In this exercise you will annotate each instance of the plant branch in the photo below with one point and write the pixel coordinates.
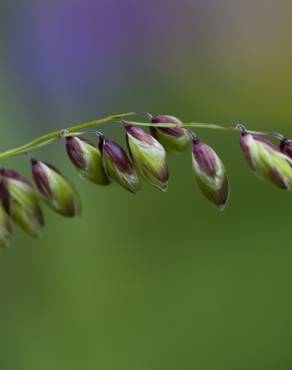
(56, 135)
(209, 126)
(77, 130)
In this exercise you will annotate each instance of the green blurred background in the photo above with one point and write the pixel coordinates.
(150, 281)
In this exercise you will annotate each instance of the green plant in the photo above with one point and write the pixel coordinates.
(108, 162)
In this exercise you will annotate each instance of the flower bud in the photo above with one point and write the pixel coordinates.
(149, 157)
(21, 202)
(173, 139)
(210, 173)
(5, 228)
(286, 147)
(266, 160)
(86, 157)
(58, 193)
(118, 166)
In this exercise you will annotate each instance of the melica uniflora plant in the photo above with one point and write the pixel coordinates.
(104, 162)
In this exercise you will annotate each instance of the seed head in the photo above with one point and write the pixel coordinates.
(267, 161)
(58, 193)
(173, 139)
(210, 173)
(21, 202)
(148, 156)
(118, 166)
(286, 147)
(86, 157)
(5, 228)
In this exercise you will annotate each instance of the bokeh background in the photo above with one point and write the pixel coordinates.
(150, 281)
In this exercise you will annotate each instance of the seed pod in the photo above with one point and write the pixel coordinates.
(149, 157)
(173, 139)
(5, 228)
(118, 166)
(86, 157)
(21, 202)
(286, 147)
(58, 193)
(210, 173)
(266, 160)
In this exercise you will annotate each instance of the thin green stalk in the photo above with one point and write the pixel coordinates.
(56, 135)
(78, 130)
(25, 150)
(209, 126)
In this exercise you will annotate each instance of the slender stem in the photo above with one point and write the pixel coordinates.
(55, 135)
(78, 130)
(209, 126)
(24, 150)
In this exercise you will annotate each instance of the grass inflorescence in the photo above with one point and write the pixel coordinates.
(106, 162)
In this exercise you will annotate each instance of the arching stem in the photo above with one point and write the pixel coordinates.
(78, 130)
